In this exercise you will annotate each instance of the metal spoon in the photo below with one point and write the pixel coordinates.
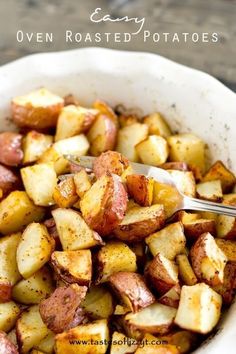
(163, 176)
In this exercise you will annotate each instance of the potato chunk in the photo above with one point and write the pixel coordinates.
(35, 288)
(38, 110)
(40, 182)
(34, 249)
(187, 148)
(228, 247)
(34, 145)
(210, 191)
(169, 241)
(156, 318)
(74, 120)
(140, 222)
(115, 257)
(218, 171)
(73, 266)
(11, 153)
(9, 312)
(153, 150)
(208, 261)
(9, 273)
(103, 206)
(132, 290)
(9, 181)
(98, 302)
(140, 188)
(184, 181)
(82, 183)
(91, 333)
(129, 137)
(17, 211)
(195, 228)
(166, 195)
(171, 297)
(199, 308)
(64, 194)
(61, 311)
(110, 162)
(153, 345)
(73, 232)
(157, 125)
(228, 289)
(6, 345)
(120, 344)
(186, 272)
(226, 227)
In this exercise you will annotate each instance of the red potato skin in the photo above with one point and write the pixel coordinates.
(168, 301)
(110, 162)
(5, 292)
(132, 285)
(40, 118)
(60, 311)
(137, 186)
(193, 231)
(180, 166)
(52, 230)
(11, 153)
(6, 346)
(9, 181)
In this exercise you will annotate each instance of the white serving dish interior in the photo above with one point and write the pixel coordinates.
(190, 100)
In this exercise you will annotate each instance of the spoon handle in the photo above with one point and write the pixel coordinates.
(203, 205)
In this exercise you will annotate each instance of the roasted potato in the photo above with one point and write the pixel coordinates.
(103, 108)
(185, 341)
(171, 297)
(61, 311)
(153, 345)
(187, 148)
(9, 312)
(125, 120)
(211, 191)
(40, 182)
(30, 329)
(91, 334)
(179, 166)
(186, 272)
(140, 188)
(162, 274)
(110, 162)
(153, 150)
(218, 171)
(46, 345)
(37, 110)
(208, 261)
(204, 305)
(6, 346)
(131, 289)
(82, 183)
(140, 222)
(98, 302)
(103, 206)
(34, 249)
(129, 137)
(121, 310)
(102, 135)
(169, 241)
(9, 273)
(120, 344)
(226, 227)
(166, 195)
(157, 125)
(228, 247)
(184, 181)
(229, 199)
(34, 145)
(73, 266)
(228, 289)
(9, 181)
(11, 153)
(156, 319)
(74, 120)
(35, 288)
(73, 232)
(64, 194)
(115, 257)
(196, 228)
(77, 146)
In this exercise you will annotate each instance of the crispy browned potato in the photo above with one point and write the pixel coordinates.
(226, 227)
(11, 153)
(115, 257)
(171, 297)
(157, 125)
(91, 333)
(9, 180)
(204, 305)
(82, 182)
(9, 313)
(153, 150)
(162, 274)
(211, 191)
(73, 266)
(180, 166)
(166, 195)
(73, 231)
(102, 135)
(6, 346)
(228, 289)
(208, 261)
(228, 247)
(64, 193)
(103, 206)
(132, 290)
(169, 241)
(34, 145)
(156, 318)
(139, 222)
(37, 110)
(110, 162)
(219, 171)
(61, 311)
(140, 188)
(186, 272)
(98, 302)
(196, 228)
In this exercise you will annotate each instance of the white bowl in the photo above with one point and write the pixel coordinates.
(190, 100)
